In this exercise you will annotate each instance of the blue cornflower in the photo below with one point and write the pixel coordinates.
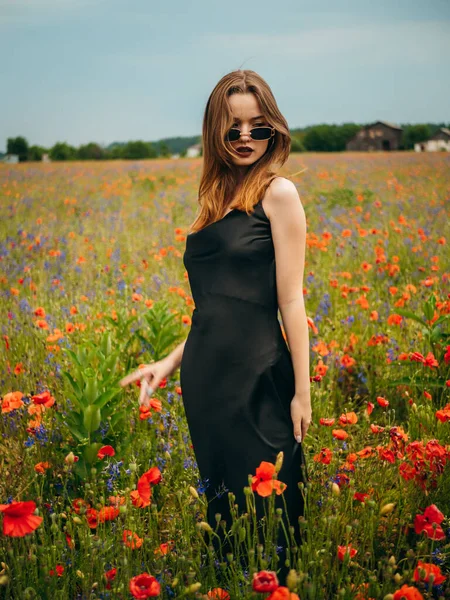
(202, 485)
(29, 442)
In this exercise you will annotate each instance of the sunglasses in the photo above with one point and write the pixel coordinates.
(257, 133)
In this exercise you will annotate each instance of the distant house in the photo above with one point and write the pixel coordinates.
(193, 151)
(10, 158)
(378, 136)
(46, 158)
(439, 141)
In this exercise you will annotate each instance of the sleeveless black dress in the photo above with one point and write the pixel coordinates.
(236, 374)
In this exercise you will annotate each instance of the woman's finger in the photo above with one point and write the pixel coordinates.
(138, 374)
(143, 396)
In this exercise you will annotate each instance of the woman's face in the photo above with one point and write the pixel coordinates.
(247, 114)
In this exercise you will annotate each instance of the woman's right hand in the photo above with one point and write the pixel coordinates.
(151, 376)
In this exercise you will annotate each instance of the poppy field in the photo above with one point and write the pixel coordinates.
(101, 498)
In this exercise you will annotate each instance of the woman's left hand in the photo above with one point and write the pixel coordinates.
(301, 416)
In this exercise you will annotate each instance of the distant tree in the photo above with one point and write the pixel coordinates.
(164, 150)
(138, 149)
(35, 153)
(91, 151)
(63, 151)
(113, 153)
(329, 138)
(297, 144)
(413, 134)
(19, 146)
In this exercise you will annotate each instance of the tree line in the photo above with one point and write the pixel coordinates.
(315, 138)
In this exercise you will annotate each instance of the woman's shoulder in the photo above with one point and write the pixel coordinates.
(278, 188)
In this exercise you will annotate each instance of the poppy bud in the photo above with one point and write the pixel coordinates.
(279, 461)
(387, 508)
(205, 526)
(335, 489)
(193, 492)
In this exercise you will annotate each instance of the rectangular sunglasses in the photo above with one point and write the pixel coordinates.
(257, 133)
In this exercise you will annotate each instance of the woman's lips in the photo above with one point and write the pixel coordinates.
(244, 153)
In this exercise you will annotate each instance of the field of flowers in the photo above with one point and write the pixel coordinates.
(102, 499)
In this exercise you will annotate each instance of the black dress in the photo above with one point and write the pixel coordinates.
(236, 374)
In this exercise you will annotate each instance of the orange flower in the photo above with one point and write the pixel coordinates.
(12, 401)
(218, 594)
(107, 513)
(164, 548)
(339, 434)
(349, 418)
(18, 518)
(328, 422)
(407, 593)
(263, 483)
(40, 467)
(382, 401)
(131, 539)
(282, 593)
(324, 456)
(429, 569)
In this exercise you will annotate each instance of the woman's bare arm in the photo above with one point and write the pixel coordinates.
(288, 225)
(174, 358)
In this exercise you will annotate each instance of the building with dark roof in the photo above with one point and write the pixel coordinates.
(378, 136)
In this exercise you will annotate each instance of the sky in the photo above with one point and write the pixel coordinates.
(78, 71)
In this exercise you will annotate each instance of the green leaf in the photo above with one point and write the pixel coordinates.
(106, 397)
(91, 418)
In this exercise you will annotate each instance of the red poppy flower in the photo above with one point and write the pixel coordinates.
(342, 551)
(262, 482)
(110, 576)
(265, 581)
(131, 539)
(339, 434)
(78, 503)
(105, 451)
(282, 593)
(152, 476)
(328, 422)
(92, 519)
(18, 518)
(144, 586)
(59, 571)
(407, 592)
(324, 456)
(107, 513)
(430, 569)
(45, 398)
(424, 523)
(218, 594)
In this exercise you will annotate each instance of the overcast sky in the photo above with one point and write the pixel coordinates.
(116, 70)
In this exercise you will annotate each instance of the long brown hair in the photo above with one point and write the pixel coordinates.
(217, 183)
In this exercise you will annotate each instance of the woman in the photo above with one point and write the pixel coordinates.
(246, 395)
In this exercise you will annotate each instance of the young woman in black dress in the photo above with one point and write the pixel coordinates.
(246, 394)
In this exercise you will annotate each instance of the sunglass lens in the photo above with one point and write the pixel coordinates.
(233, 135)
(261, 133)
